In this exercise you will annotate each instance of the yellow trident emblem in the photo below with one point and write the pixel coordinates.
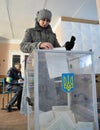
(68, 82)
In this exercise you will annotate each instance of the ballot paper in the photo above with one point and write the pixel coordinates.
(57, 64)
(45, 118)
(63, 122)
(84, 126)
(62, 110)
(62, 118)
(59, 48)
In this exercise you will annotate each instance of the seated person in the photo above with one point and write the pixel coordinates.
(15, 84)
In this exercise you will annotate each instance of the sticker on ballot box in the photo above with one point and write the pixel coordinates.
(68, 84)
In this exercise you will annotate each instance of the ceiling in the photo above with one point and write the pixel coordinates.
(17, 15)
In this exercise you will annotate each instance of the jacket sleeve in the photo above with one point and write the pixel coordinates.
(27, 45)
(10, 79)
(9, 73)
(56, 43)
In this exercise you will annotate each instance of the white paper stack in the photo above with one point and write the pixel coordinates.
(62, 118)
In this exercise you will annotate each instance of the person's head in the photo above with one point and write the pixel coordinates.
(44, 17)
(17, 66)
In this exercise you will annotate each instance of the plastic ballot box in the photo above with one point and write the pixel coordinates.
(61, 90)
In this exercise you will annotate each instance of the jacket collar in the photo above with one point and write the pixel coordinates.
(38, 27)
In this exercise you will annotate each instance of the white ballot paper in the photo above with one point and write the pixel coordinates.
(84, 126)
(63, 122)
(57, 64)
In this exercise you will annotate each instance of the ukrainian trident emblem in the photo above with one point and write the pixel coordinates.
(68, 82)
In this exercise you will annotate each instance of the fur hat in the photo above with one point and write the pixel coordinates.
(44, 14)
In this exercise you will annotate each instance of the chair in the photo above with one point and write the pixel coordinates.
(5, 92)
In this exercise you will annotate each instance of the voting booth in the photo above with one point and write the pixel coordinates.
(61, 90)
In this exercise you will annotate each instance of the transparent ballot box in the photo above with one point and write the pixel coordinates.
(61, 91)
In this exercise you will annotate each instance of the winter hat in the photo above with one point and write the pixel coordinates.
(44, 14)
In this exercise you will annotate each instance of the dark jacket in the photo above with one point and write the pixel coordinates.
(34, 36)
(14, 75)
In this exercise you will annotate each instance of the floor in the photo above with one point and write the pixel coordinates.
(12, 120)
